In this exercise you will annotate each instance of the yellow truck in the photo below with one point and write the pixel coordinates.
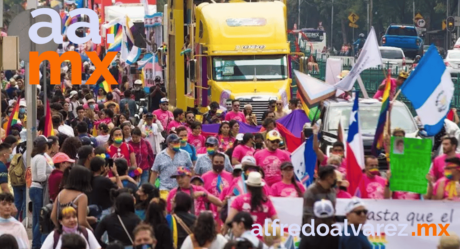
(220, 51)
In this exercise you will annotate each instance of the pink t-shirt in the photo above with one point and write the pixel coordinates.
(235, 116)
(197, 141)
(399, 195)
(243, 203)
(343, 167)
(211, 179)
(446, 191)
(229, 190)
(437, 170)
(374, 187)
(270, 161)
(343, 194)
(202, 150)
(164, 116)
(281, 189)
(379, 93)
(225, 143)
(199, 202)
(241, 151)
(173, 124)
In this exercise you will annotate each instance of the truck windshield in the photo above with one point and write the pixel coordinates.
(402, 31)
(391, 54)
(245, 68)
(368, 117)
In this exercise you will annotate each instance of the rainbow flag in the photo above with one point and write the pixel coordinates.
(14, 118)
(117, 31)
(377, 145)
(49, 131)
(173, 227)
(67, 20)
(220, 184)
(107, 88)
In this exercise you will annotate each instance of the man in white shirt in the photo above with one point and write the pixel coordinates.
(241, 225)
(8, 224)
(63, 128)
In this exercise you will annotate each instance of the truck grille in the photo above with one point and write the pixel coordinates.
(258, 108)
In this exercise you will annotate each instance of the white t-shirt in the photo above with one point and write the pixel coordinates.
(67, 130)
(218, 243)
(49, 241)
(102, 139)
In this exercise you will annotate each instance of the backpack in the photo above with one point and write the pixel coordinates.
(17, 171)
(57, 235)
(45, 222)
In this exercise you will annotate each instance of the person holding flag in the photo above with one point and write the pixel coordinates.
(395, 83)
(217, 179)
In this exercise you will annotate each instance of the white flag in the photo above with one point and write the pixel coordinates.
(369, 57)
(133, 55)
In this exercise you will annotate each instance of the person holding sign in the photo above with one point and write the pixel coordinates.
(449, 146)
(372, 185)
(448, 187)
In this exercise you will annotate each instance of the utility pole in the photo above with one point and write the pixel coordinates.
(371, 9)
(447, 31)
(368, 27)
(413, 9)
(332, 26)
(298, 16)
(458, 14)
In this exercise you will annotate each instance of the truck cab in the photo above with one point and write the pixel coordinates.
(338, 110)
(237, 50)
(405, 37)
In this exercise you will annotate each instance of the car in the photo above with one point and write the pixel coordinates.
(335, 110)
(405, 37)
(392, 57)
(452, 62)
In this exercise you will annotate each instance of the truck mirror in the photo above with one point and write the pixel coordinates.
(192, 70)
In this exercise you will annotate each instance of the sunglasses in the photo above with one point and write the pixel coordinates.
(360, 212)
(278, 103)
(275, 141)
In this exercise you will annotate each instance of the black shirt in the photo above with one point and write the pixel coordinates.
(115, 230)
(155, 99)
(326, 242)
(189, 220)
(100, 195)
(139, 94)
(163, 236)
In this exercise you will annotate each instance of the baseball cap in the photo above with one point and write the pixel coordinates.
(149, 115)
(181, 171)
(164, 100)
(62, 157)
(239, 137)
(212, 141)
(244, 217)
(354, 203)
(273, 135)
(248, 159)
(40, 140)
(73, 93)
(196, 178)
(86, 141)
(172, 138)
(286, 165)
(22, 103)
(237, 167)
(403, 74)
(323, 209)
(138, 82)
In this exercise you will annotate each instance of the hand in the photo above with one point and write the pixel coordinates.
(454, 109)
(224, 229)
(430, 178)
(388, 175)
(198, 194)
(315, 129)
(114, 169)
(143, 117)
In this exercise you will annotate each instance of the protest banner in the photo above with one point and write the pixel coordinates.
(410, 160)
(407, 216)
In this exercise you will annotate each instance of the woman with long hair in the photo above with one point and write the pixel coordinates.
(68, 224)
(118, 148)
(41, 169)
(182, 216)
(155, 217)
(103, 135)
(246, 148)
(288, 186)
(255, 202)
(71, 146)
(54, 146)
(145, 194)
(234, 127)
(204, 234)
(144, 154)
(101, 95)
(73, 195)
(120, 224)
(225, 137)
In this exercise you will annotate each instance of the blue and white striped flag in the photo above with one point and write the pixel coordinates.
(133, 55)
(148, 58)
(430, 90)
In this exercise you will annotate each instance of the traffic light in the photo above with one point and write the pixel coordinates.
(450, 23)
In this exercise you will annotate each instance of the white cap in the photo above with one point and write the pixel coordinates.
(248, 159)
(164, 100)
(92, 68)
(73, 93)
(238, 166)
(354, 203)
(22, 103)
(239, 137)
(138, 82)
(323, 209)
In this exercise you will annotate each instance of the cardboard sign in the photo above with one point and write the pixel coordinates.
(410, 160)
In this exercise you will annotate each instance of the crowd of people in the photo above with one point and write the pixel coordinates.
(106, 179)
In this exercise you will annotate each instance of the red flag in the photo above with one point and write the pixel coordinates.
(48, 131)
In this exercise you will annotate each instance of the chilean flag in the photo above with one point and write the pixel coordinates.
(355, 151)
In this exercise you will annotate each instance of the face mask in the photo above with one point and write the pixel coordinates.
(91, 107)
(374, 172)
(448, 174)
(22, 110)
(118, 140)
(334, 184)
(176, 148)
(259, 145)
(70, 229)
(145, 246)
(218, 168)
(10, 158)
(183, 141)
(211, 151)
